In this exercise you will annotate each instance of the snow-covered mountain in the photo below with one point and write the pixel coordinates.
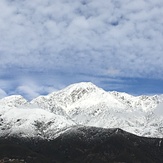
(82, 104)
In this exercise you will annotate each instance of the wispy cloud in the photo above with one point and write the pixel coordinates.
(56, 37)
(2, 93)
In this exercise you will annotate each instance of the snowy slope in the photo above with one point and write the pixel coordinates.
(145, 103)
(31, 123)
(81, 104)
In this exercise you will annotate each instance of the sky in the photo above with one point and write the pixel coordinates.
(46, 45)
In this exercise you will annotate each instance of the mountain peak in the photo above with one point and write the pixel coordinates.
(12, 101)
(78, 90)
(74, 92)
(88, 86)
(12, 97)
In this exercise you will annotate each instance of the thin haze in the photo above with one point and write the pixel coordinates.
(46, 45)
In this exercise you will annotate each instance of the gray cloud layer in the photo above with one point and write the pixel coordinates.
(106, 37)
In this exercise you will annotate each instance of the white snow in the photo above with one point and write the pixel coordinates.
(31, 123)
(82, 104)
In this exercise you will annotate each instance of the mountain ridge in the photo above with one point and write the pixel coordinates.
(82, 145)
(87, 105)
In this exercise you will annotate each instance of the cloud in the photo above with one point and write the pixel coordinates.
(113, 72)
(2, 93)
(56, 37)
(29, 89)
